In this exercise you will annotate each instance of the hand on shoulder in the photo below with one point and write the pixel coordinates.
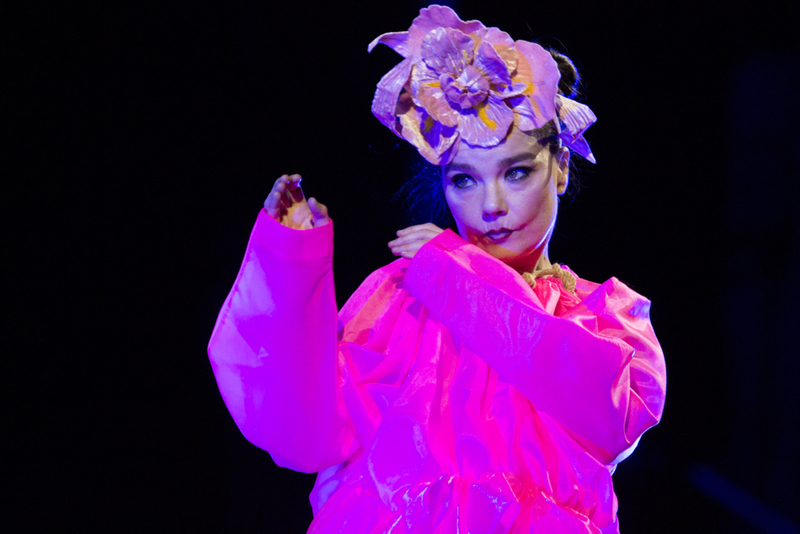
(410, 240)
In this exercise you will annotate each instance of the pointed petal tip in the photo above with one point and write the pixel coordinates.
(397, 41)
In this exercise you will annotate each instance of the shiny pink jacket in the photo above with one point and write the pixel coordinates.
(446, 396)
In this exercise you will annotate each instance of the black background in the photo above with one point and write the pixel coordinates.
(141, 139)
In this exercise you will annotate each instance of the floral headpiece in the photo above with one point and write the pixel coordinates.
(463, 81)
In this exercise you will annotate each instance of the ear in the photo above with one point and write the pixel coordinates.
(562, 172)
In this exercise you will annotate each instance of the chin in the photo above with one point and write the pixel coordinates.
(511, 256)
(521, 257)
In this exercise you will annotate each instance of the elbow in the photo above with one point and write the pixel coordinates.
(306, 450)
(641, 417)
(311, 464)
(613, 437)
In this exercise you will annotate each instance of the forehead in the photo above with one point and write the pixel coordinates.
(515, 144)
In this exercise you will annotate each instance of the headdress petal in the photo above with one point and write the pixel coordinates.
(397, 41)
(492, 66)
(426, 90)
(538, 69)
(436, 16)
(524, 115)
(577, 119)
(487, 124)
(433, 140)
(447, 50)
(385, 100)
(463, 81)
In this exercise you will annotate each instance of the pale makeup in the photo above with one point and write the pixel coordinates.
(504, 199)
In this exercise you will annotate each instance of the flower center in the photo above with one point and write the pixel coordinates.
(468, 90)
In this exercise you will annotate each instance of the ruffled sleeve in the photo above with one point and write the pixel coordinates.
(597, 369)
(274, 348)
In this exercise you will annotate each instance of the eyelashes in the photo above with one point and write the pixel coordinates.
(516, 174)
(462, 181)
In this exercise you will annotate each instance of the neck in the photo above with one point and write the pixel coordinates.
(531, 262)
(543, 263)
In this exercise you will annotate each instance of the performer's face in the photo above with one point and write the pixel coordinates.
(504, 198)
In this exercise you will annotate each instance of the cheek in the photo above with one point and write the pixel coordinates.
(542, 209)
(458, 207)
(543, 219)
(537, 212)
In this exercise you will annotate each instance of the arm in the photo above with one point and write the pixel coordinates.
(598, 370)
(274, 348)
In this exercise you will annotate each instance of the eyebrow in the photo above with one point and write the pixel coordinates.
(522, 156)
(511, 160)
(459, 167)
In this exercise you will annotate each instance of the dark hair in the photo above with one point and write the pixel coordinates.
(570, 80)
(568, 86)
(424, 191)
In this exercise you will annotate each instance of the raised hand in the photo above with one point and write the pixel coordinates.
(287, 204)
(410, 240)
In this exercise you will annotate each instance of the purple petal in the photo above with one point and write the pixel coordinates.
(579, 145)
(492, 65)
(447, 51)
(487, 124)
(509, 55)
(422, 75)
(495, 36)
(516, 89)
(397, 41)
(537, 68)
(469, 90)
(385, 100)
(427, 92)
(577, 117)
(433, 140)
(524, 116)
(436, 16)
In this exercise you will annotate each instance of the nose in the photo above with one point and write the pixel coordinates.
(494, 204)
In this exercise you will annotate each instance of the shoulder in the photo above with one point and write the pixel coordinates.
(613, 294)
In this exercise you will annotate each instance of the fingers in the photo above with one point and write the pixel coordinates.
(411, 239)
(319, 212)
(293, 189)
(273, 201)
(418, 228)
(411, 234)
(407, 250)
(285, 192)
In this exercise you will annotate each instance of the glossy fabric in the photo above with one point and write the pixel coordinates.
(446, 396)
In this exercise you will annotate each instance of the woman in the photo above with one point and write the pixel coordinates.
(471, 385)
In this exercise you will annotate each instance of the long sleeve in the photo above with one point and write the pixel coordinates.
(598, 370)
(274, 348)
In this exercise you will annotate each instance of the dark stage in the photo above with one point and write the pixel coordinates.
(143, 138)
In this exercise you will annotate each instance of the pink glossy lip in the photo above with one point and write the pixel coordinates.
(498, 236)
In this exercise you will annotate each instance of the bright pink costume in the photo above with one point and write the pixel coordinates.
(446, 396)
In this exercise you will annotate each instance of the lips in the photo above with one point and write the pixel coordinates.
(498, 236)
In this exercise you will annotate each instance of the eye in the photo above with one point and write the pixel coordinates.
(518, 173)
(462, 181)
